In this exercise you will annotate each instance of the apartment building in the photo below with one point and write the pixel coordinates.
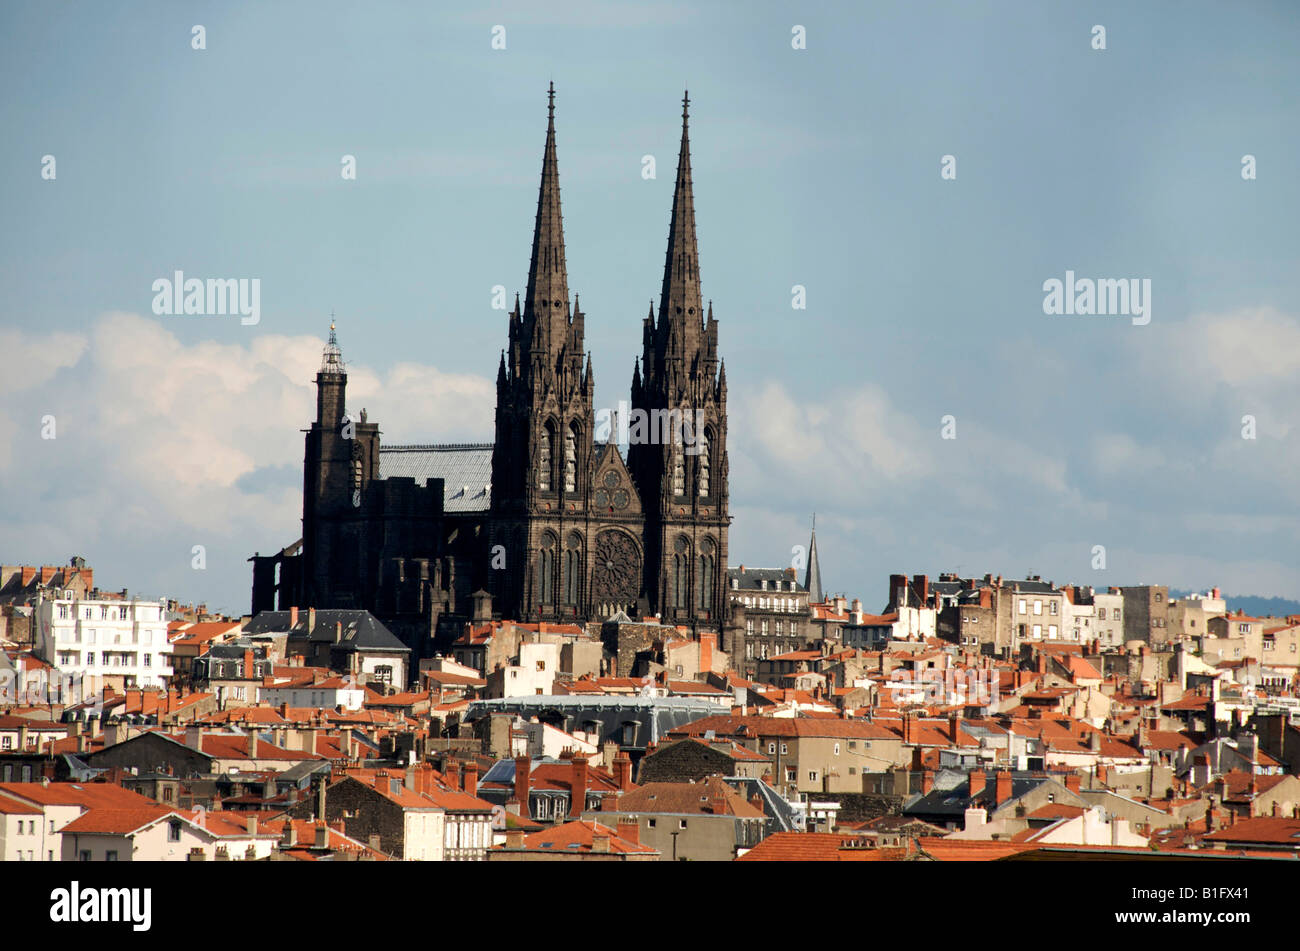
(106, 642)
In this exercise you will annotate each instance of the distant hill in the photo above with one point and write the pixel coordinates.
(1252, 604)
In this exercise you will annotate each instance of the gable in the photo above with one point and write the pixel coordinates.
(612, 490)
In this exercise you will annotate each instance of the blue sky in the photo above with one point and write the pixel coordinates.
(817, 167)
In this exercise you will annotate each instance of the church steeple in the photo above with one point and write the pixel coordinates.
(813, 578)
(546, 301)
(679, 300)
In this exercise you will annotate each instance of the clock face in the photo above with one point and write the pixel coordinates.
(621, 499)
(602, 498)
(611, 479)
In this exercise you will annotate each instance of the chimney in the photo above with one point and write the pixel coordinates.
(600, 840)
(252, 825)
(927, 781)
(248, 665)
(978, 780)
(578, 786)
(452, 773)
(954, 724)
(252, 743)
(523, 766)
(623, 771)
(410, 778)
(320, 799)
(311, 620)
(1072, 783)
(290, 835)
(514, 838)
(1003, 790)
(629, 830)
(471, 778)
(194, 738)
(293, 617)
(322, 836)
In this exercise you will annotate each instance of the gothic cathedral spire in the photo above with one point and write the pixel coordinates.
(546, 302)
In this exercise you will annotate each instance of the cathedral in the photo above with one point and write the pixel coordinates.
(549, 521)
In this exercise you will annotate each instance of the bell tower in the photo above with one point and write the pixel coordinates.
(542, 458)
(679, 461)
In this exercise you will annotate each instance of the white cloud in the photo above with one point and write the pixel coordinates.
(154, 436)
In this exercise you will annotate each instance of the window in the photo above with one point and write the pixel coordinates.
(784, 750)
(651, 823)
(1038, 632)
(794, 628)
(1115, 614)
(764, 627)
(572, 568)
(791, 776)
(1022, 606)
(837, 749)
(174, 831)
(679, 473)
(110, 856)
(1159, 596)
(84, 855)
(706, 575)
(541, 665)
(771, 748)
(544, 461)
(853, 744)
(749, 626)
(1052, 605)
(570, 459)
(681, 823)
(704, 463)
(1051, 631)
(51, 827)
(1038, 607)
(546, 571)
(779, 627)
(812, 775)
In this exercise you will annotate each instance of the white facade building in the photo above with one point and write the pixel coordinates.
(98, 640)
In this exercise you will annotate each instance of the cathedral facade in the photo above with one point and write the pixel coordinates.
(549, 522)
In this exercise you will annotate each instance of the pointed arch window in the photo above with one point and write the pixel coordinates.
(572, 568)
(546, 571)
(544, 460)
(679, 595)
(706, 576)
(679, 472)
(571, 458)
(705, 467)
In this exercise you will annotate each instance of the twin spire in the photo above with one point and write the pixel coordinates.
(679, 300)
(547, 296)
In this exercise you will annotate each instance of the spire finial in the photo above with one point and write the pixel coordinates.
(550, 103)
(686, 103)
(332, 357)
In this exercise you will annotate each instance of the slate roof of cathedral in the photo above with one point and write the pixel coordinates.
(465, 468)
